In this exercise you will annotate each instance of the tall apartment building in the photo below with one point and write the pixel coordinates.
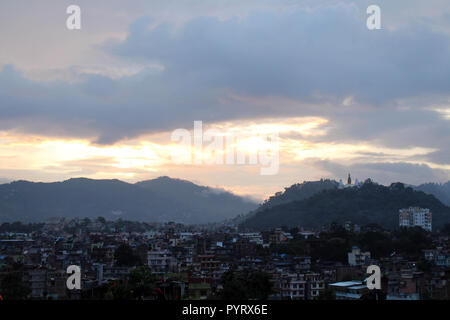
(414, 216)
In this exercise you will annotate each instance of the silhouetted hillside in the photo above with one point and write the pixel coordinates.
(371, 203)
(440, 191)
(162, 199)
(194, 198)
(297, 192)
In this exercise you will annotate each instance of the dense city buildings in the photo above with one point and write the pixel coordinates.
(176, 261)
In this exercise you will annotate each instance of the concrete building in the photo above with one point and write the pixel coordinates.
(414, 216)
(38, 283)
(348, 290)
(293, 286)
(161, 261)
(358, 258)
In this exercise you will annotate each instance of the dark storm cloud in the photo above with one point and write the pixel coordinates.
(392, 127)
(441, 156)
(316, 57)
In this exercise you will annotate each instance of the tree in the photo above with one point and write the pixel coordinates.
(255, 285)
(327, 294)
(141, 282)
(101, 220)
(12, 287)
(424, 265)
(119, 292)
(446, 229)
(233, 287)
(125, 256)
(259, 285)
(411, 241)
(378, 243)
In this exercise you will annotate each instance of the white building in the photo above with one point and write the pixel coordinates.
(349, 183)
(358, 258)
(414, 216)
(254, 237)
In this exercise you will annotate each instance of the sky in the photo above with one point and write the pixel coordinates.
(104, 102)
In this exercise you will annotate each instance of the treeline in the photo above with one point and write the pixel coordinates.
(19, 227)
(334, 245)
(253, 284)
(71, 226)
(298, 192)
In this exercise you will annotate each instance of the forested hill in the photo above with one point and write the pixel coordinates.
(158, 200)
(370, 203)
(298, 192)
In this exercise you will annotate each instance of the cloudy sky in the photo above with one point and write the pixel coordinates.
(103, 101)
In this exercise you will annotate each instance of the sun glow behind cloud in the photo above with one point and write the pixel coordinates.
(151, 155)
(146, 153)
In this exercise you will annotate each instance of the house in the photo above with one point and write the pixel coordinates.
(358, 258)
(348, 290)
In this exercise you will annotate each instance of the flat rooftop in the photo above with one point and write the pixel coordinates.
(346, 284)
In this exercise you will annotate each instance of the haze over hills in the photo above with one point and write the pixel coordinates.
(159, 200)
(369, 203)
(311, 203)
(439, 190)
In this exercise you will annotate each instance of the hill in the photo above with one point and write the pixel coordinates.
(370, 203)
(158, 200)
(194, 198)
(297, 192)
(439, 190)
